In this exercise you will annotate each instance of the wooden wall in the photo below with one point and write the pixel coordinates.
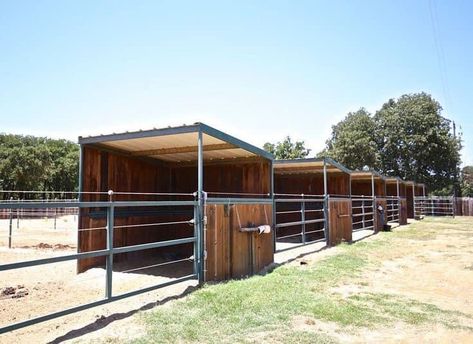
(391, 189)
(464, 206)
(231, 253)
(402, 190)
(363, 187)
(380, 220)
(419, 190)
(340, 221)
(410, 202)
(338, 183)
(105, 170)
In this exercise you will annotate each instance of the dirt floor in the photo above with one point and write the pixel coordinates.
(34, 291)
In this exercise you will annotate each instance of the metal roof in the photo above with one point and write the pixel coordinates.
(311, 165)
(178, 144)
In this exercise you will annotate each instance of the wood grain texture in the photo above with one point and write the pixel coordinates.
(380, 219)
(403, 212)
(340, 221)
(231, 253)
(410, 202)
(363, 187)
(338, 183)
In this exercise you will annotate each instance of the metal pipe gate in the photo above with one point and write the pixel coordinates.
(110, 208)
(299, 220)
(434, 206)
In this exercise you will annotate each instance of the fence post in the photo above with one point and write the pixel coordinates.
(326, 220)
(55, 214)
(109, 257)
(10, 228)
(303, 219)
(196, 237)
(18, 216)
(363, 224)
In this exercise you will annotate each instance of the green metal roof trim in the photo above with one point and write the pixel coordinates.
(193, 128)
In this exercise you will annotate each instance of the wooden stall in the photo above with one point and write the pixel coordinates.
(410, 192)
(174, 164)
(371, 184)
(317, 181)
(396, 188)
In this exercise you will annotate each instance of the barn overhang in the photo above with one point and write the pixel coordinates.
(178, 144)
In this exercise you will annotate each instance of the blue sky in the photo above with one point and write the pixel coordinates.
(259, 70)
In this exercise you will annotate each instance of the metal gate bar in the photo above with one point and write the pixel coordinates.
(108, 252)
(362, 213)
(303, 212)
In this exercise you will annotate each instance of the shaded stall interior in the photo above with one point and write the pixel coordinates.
(162, 164)
(420, 190)
(396, 188)
(368, 189)
(300, 187)
(410, 191)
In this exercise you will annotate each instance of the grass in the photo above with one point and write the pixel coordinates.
(262, 308)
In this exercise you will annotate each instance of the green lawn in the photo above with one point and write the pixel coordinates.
(264, 308)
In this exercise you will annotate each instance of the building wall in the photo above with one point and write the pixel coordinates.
(338, 183)
(362, 187)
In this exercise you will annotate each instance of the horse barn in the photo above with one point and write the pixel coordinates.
(396, 193)
(312, 202)
(217, 202)
(368, 190)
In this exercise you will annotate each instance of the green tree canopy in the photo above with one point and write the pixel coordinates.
(37, 163)
(407, 137)
(287, 149)
(467, 181)
(352, 142)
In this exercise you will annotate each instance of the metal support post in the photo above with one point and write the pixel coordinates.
(200, 195)
(326, 220)
(10, 229)
(303, 219)
(109, 257)
(326, 205)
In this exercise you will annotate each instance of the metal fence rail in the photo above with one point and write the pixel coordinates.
(110, 208)
(434, 206)
(393, 205)
(362, 212)
(299, 220)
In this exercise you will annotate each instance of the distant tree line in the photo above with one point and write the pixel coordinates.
(37, 163)
(408, 137)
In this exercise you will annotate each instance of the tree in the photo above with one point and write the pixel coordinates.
(415, 142)
(466, 181)
(352, 142)
(37, 164)
(287, 149)
(407, 137)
